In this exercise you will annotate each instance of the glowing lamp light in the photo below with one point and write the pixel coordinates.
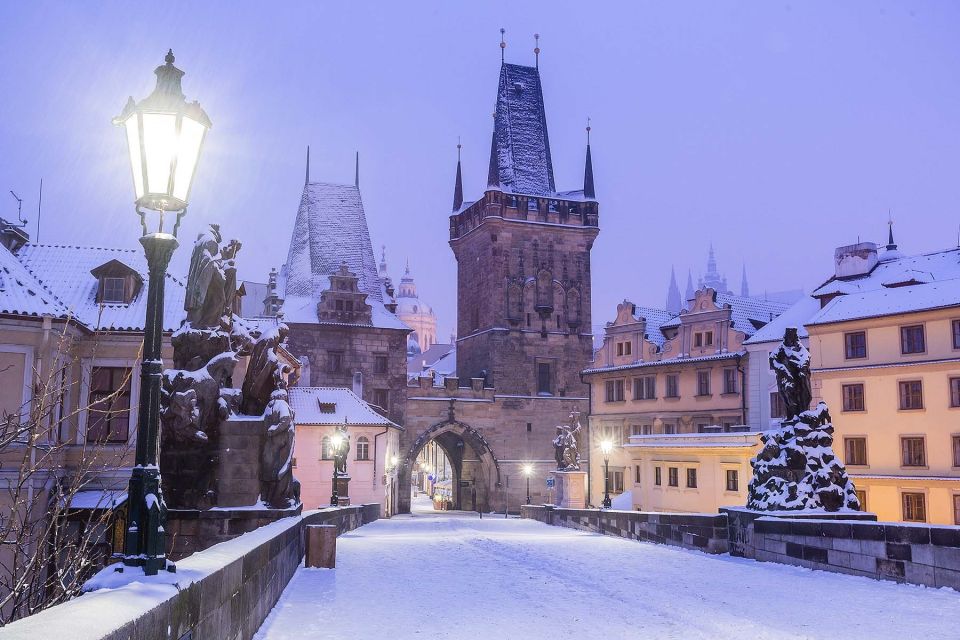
(393, 461)
(606, 446)
(164, 136)
(528, 470)
(336, 441)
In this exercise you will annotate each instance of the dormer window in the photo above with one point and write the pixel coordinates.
(113, 291)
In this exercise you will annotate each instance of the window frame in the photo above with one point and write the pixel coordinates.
(700, 385)
(847, 458)
(736, 480)
(104, 299)
(923, 450)
(954, 392)
(922, 504)
(334, 361)
(847, 345)
(542, 366)
(778, 410)
(955, 442)
(923, 339)
(381, 363)
(658, 476)
(673, 477)
(730, 386)
(850, 408)
(110, 415)
(673, 378)
(691, 478)
(613, 390)
(955, 333)
(362, 446)
(900, 395)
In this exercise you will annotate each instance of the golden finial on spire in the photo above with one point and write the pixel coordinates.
(503, 43)
(536, 48)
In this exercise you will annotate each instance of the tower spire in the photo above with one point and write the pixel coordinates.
(690, 293)
(536, 49)
(891, 245)
(744, 287)
(458, 185)
(674, 304)
(356, 172)
(503, 43)
(588, 189)
(306, 179)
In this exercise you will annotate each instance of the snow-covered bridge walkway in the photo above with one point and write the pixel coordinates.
(456, 576)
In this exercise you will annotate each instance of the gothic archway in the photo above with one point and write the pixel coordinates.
(457, 440)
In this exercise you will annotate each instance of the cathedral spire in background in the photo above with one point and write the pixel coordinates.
(458, 185)
(306, 179)
(690, 293)
(383, 261)
(674, 304)
(588, 190)
(744, 287)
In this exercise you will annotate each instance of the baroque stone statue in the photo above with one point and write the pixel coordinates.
(340, 454)
(565, 449)
(278, 488)
(796, 469)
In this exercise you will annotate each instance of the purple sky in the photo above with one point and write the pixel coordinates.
(756, 126)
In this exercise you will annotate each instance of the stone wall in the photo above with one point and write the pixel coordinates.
(699, 531)
(740, 522)
(917, 554)
(223, 592)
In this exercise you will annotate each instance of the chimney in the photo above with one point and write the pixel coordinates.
(358, 383)
(855, 259)
(12, 236)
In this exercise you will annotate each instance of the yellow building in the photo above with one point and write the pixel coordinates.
(656, 380)
(885, 357)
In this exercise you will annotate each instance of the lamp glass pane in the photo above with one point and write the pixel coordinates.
(188, 152)
(159, 141)
(133, 144)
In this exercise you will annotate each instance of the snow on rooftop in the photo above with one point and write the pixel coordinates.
(796, 316)
(23, 294)
(65, 270)
(884, 302)
(922, 268)
(747, 313)
(332, 406)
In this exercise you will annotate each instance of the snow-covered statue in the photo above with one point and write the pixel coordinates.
(278, 488)
(211, 281)
(340, 452)
(265, 374)
(565, 449)
(797, 469)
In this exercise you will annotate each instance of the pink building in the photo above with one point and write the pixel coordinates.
(374, 447)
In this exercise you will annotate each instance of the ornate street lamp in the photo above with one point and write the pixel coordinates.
(164, 136)
(606, 447)
(336, 441)
(528, 471)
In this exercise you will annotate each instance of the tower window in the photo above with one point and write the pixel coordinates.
(544, 378)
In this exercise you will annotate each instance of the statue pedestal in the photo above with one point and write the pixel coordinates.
(343, 490)
(571, 488)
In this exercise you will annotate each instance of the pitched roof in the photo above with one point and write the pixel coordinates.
(926, 267)
(22, 294)
(796, 316)
(331, 406)
(747, 314)
(655, 318)
(65, 271)
(442, 358)
(520, 159)
(890, 301)
(330, 228)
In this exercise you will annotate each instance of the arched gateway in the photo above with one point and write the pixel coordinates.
(476, 471)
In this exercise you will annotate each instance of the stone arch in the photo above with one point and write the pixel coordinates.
(453, 437)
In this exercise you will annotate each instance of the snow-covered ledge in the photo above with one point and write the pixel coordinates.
(224, 591)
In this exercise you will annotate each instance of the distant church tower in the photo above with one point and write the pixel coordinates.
(674, 304)
(744, 287)
(523, 257)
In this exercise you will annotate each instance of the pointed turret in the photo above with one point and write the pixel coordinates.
(383, 261)
(891, 245)
(588, 190)
(690, 293)
(674, 304)
(356, 172)
(744, 287)
(458, 185)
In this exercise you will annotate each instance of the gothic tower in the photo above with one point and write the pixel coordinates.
(523, 257)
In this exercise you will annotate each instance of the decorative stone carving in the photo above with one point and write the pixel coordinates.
(278, 488)
(565, 449)
(797, 469)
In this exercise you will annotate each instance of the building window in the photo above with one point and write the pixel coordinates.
(856, 451)
(669, 428)
(730, 380)
(326, 453)
(334, 361)
(911, 339)
(708, 339)
(691, 478)
(703, 383)
(647, 429)
(911, 394)
(363, 448)
(108, 418)
(956, 508)
(634, 430)
(956, 451)
(853, 397)
(698, 339)
(955, 392)
(380, 364)
(657, 479)
(914, 451)
(777, 408)
(615, 481)
(862, 497)
(956, 334)
(733, 480)
(636, 475)
(856, 344)
(381, 398)
(645, 388)
(673, 476)
(545, 379)
(624, 348)
(614, 390)
(914, 507)
(114, 291)
(673, 387)
(619, 349)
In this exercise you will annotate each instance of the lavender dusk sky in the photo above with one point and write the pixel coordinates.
(754, 126)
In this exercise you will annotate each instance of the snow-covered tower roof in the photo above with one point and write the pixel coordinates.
(330, 229)
(520, 159)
